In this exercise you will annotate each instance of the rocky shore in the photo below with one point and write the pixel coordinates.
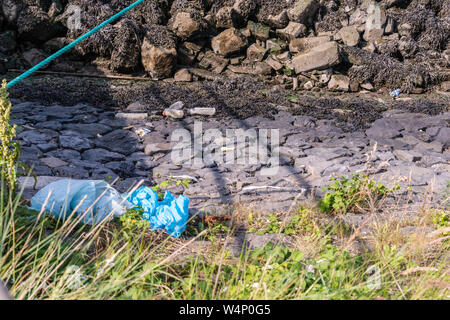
(309, 45)
(86, 142)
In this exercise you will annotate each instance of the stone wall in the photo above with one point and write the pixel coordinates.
(313, 45)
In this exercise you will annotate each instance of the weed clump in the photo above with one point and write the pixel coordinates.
(357, 193)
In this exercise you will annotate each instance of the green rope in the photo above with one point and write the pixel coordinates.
(71, 45)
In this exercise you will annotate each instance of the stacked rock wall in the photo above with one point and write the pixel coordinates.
(345, 45)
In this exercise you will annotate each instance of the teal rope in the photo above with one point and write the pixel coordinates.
(71, 45)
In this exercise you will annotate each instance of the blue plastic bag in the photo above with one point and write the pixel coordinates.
(395, 93)
(66, 195)
(170, 214)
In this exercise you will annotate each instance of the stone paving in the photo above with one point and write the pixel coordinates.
(85, 142)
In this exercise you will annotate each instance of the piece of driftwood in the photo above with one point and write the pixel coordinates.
(85, 75)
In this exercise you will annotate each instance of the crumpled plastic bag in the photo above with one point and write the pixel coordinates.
(170, 214)
(66, 195)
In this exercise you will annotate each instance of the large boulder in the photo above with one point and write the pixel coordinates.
(303, 11)
(279, 20)
(339, 82)
(245, 9)
(149, 12)
(33, 24)
(99, 44)
(226, 17)
(304, 44)
(256, 52)
(7, 42)
(33, 56)
(127, 51)
(375, 23)
(2, 20)
(229, 42)
(188, 24)
(55, 44)
(274, 13)
(183, 5)
(321, 57)
(349, 35)
(258, 30)
(56, 8)
(214, 62)
(159, 52)
(11, 10)
(292, 31)
(3, 68)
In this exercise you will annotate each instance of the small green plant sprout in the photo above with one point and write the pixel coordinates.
(275, 50)
(288, 71)
(293, 98)
(163, 186)
(347, 194)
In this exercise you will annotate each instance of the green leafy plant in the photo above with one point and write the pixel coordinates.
(293, 98)
(288, 71)
(162, 187)
(441, 219)
(298, 223)
(346, 194)
(132, 220)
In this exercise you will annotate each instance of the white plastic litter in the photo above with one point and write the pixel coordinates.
(173, 113)
(142, 132)
(203, 111)
(96, 200)
(177, 105)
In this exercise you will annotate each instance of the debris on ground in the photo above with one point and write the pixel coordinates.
(93, 201)
(68, 197)
(203, 111)
(395, 93)
(173, 113)
(170, 214)
(142, 132)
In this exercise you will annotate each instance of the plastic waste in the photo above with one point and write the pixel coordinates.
(395, 93)
(142, 132)
(175, 110)
(173, 113)
(177, 105)
(95, 200)
(170, 214)
(203, 111)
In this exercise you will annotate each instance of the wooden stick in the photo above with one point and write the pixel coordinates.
(86, 75)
